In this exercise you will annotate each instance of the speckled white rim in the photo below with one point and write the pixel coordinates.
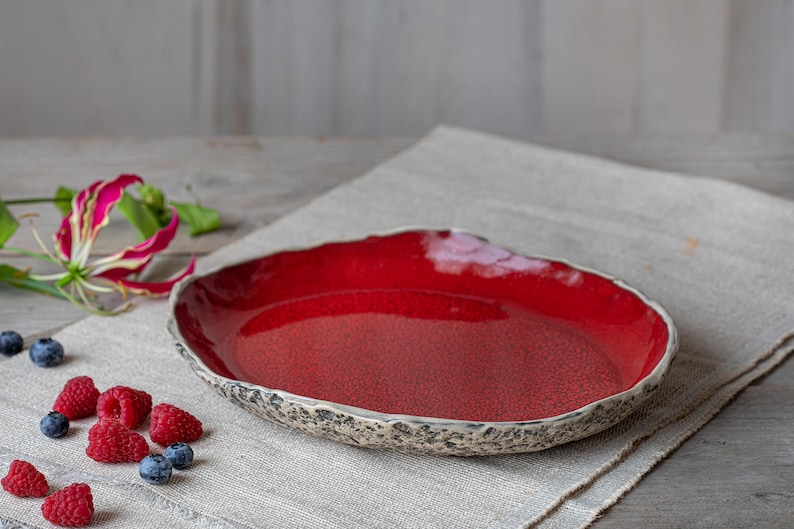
(362, 427)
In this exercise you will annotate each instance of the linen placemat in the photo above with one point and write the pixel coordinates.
(714, 254)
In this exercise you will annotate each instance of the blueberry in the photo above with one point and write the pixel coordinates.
(180, 455)
(155, 469)
(54, 425)
(46, 352)
(10, 343)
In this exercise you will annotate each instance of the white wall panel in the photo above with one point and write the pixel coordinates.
(394, 67)
(759, 79)
(93, 67)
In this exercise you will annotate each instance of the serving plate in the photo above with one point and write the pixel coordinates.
(424, 340)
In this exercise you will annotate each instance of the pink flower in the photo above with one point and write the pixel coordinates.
(76, 236)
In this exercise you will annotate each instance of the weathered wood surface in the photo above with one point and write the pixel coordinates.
(394, 67)
(251, 181)
(738, 471)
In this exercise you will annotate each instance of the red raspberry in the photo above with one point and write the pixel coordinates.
(109, 441)
(173, 425)
(72, 506)
(129, 406)
(77, 399)
(25, 481)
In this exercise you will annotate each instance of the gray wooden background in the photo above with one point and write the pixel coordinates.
(394, 67)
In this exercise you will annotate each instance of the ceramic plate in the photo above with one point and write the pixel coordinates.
(424, 340)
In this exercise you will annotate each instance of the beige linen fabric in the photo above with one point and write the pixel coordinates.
(716, 255)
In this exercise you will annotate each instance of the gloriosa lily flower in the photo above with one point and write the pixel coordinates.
(116, 272)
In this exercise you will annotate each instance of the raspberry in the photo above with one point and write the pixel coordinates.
(129, 406)
(72, 506)
(78, 398)
(109, 441)
(173, 425)
(25, 481)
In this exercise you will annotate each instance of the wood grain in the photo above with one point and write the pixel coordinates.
(588, 65)
(387, 68)
(251, 181)
(680, 81)
(754, 74)
(95, 67)
(736, 472)
(293, 66)
(765, 162)
(232, 97)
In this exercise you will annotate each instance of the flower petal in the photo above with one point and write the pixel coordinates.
(90, 213)
(156, 289)
(69, 233)
(107, 195)
(134, 259)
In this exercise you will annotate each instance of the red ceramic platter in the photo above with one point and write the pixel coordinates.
(436, 341)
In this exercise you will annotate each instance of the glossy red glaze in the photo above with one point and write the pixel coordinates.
(424, 323)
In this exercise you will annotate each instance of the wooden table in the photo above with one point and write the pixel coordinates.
(738, 471)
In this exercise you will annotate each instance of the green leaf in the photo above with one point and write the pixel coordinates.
(152, 197)
(21, 279)
(63, 199)
(198, 218)
(140, 216)
(8, 224)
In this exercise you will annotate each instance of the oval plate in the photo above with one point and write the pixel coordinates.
(424, 340)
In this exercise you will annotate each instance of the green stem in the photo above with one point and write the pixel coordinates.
(28, 253)
(88, 307)
(35, 200)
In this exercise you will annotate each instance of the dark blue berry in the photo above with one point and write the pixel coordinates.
(46, 352)
(10, 343)
(54, 425)
(180, 455)
(155, 469)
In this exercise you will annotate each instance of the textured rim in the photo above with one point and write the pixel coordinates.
(363, 427)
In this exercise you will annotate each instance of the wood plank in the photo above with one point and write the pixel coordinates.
(382, 68)
(251, 181)
(232, 98)
(207, 84)
(513, 67)
(94, 67)
(680, 72)
(294, 57)
(759, 80)
(762, 161)
(490, 67)
(406, 73)
(590, 55)
(34, 315)
(737, 472)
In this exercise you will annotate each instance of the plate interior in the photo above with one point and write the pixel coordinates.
(424, 323)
